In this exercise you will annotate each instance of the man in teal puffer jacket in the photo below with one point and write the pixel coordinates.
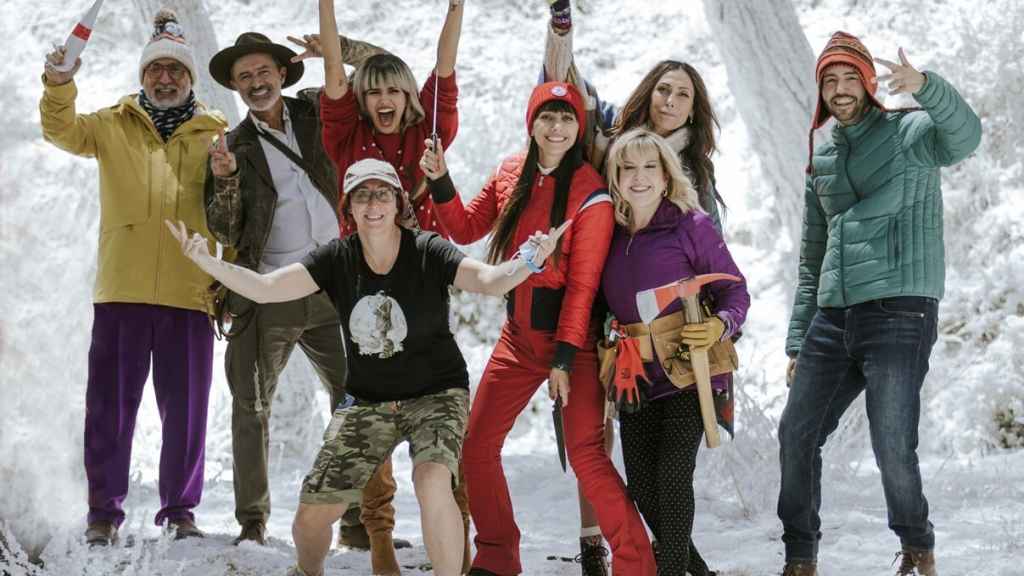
(871, 274)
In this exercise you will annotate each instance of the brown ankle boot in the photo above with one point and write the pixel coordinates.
(916, 563)
(800, 569)
(382, 555)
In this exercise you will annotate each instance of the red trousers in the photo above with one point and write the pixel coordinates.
(519, 364)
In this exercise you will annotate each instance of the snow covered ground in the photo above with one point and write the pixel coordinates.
(48, 227)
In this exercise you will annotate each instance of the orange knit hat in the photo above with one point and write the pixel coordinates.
(844, 48)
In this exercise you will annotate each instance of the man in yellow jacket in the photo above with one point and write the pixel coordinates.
(152, 149)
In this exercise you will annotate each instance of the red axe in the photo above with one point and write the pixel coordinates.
(651, 302)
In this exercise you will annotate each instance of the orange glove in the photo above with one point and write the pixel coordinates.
(626, 392)
(704, 335)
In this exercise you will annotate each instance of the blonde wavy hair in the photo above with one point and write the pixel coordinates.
(635, 143)
(384, 68)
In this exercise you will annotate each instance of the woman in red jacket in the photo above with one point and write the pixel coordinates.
(382, 115)
(549, 334)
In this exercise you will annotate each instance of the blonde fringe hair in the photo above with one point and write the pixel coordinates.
(635, 143)
(383, 68)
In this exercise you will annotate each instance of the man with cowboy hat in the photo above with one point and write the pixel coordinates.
(870, 278)
(271, 194)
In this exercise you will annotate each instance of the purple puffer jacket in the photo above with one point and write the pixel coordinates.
(672, 246)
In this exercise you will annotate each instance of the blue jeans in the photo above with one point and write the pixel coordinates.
(880, 347)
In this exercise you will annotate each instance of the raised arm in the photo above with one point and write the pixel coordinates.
(448, 43)
(335, 81)
(949, 132)
(466, 224)
(62, 126)
(476, 276)
(282, 285)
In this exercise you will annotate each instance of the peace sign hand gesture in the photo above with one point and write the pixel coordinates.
(222, 160)
(194, 248)
(310, 44)
(902, 77)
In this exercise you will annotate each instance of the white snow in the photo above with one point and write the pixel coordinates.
(48, 231)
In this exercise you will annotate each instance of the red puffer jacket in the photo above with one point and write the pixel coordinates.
(559, 299)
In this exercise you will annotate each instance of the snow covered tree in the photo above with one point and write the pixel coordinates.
(194, 17)
(771, 75)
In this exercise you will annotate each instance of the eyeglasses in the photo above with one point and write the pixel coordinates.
(364, 195)
(156, 71)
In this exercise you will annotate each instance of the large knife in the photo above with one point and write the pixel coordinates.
(556, 417)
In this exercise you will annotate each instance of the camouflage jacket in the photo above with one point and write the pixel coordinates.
(240, 208)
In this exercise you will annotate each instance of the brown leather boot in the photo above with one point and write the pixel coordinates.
(800, 569)
(916, 563)
(101, 533)
(253, 530)
(184, 528)
(382, 555)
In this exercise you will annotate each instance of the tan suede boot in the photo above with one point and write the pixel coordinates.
(382, 555)
(916, 563)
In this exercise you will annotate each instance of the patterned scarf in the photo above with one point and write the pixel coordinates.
(168, 120)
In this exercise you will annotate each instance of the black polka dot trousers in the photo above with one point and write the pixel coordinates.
(659, 447)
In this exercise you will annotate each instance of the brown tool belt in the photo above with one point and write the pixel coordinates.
(663, 338)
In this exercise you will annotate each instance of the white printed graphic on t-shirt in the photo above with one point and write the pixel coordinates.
(378, 326)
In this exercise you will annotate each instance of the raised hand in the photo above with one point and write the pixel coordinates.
(310, 44)
(902, 77)
(222, 160)
(432, 163)
(54, 59)
(194, 248)
(546, 243)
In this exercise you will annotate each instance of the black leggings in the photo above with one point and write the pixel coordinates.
(659, 447)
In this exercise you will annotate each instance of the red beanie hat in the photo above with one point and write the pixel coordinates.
(845, 48)
(549, 91)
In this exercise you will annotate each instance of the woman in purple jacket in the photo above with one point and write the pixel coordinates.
(662, 236)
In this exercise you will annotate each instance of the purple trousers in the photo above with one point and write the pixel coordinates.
(125, 337)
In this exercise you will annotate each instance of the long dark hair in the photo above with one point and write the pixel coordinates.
(505, 225)
(697, 154)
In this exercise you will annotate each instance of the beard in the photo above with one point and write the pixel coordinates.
(847, 113)
(167, 101)
(264, 102)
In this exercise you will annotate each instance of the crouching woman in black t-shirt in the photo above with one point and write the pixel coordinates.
(405, 371)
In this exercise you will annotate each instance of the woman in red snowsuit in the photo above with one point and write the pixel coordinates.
(549, 334)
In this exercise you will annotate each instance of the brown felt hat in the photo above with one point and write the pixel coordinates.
(252, 43)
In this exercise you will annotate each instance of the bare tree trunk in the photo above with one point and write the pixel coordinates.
(771, 74)
(195, 19)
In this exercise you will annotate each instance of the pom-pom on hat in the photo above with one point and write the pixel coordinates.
(549, 91)
(167, 41)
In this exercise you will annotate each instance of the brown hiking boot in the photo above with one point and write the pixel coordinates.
(800, 569)
(916, 563)
(184, 528)
(253, 530)
(355, 537)
(101, 533)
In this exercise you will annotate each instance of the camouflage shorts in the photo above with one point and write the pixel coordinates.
(360, 438)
